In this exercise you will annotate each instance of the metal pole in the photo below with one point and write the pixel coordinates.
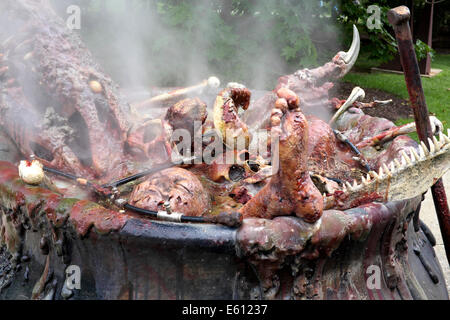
(399, 18)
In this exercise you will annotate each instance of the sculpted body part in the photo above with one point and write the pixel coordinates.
(290, 190)
(226, 119)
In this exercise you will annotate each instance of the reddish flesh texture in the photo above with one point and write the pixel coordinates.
(290, 190)
(233, 99)
(312, 94)
(60, 69)
(180, 187)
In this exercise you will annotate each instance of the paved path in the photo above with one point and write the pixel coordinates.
(428, 215)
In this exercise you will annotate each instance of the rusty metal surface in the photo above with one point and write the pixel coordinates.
(137, 258)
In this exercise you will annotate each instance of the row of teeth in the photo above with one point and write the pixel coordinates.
(406, 160)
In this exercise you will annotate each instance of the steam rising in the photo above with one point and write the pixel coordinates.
(140, 46)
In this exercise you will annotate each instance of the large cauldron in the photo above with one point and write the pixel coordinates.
(136, 258)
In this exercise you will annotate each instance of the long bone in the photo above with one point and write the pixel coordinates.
(211, 82)
(357, 94)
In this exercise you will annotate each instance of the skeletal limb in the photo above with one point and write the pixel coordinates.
(388, 135)
(340, 65)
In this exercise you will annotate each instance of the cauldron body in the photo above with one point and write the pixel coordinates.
(139, 258)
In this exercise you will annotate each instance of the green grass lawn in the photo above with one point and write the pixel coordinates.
(437, 89)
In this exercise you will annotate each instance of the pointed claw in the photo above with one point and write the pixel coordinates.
(369, 178)
(351, 55)
(355, 184)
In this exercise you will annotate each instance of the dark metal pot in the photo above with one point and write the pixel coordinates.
(137, 258)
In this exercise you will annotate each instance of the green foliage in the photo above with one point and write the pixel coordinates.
(436, 89)
(382, 45)
(422, 50)
(242, 30)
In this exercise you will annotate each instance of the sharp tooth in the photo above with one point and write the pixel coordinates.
(375, 175)
(348, 185)
(425, 149)
(437, 145)
(405, 157)
(403, 160)
(363, 180)
(447, 138)
(386, 169)
(380, 172)
(444, 139)
(398, 164)
(369, 178)
(355, 184)
(392, 165)
(431, 144)
(414, 155)
(421, 152)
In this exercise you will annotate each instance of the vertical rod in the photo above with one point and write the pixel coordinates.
(399, 18)
(430, 38)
